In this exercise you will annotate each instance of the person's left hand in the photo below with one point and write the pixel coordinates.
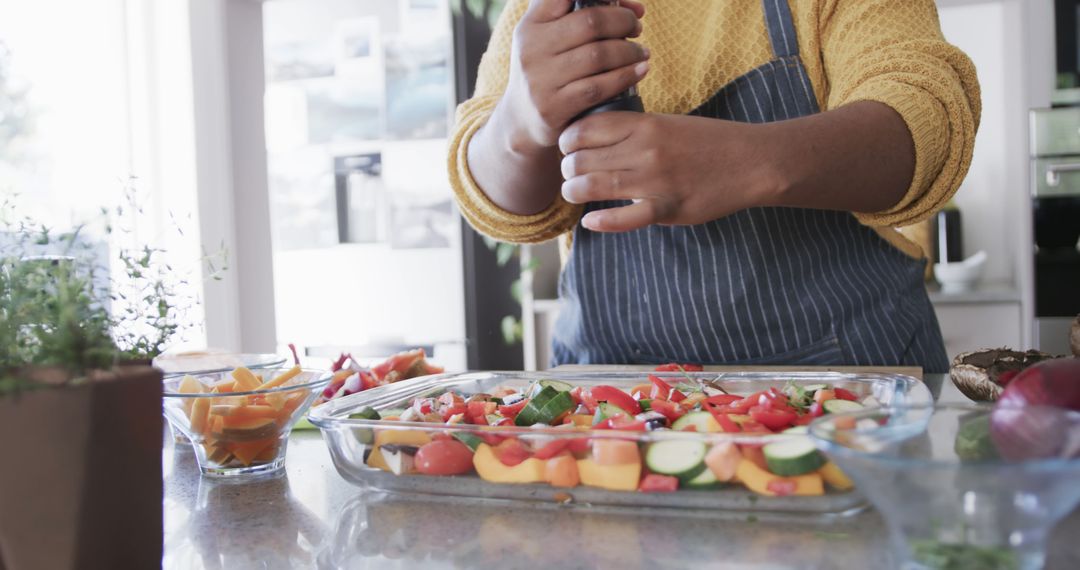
(678, 169)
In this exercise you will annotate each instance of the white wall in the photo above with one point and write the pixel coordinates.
(996, 174)
(1011, 43)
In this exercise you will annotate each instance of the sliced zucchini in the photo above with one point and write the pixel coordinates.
(608, 410)
(814, 387)
(796, 456)
(471, 440)
(705, 480)
(530, 414)
(840, 406)
(802, 430)
(702, 421)
(684, 459)
(557, 385)
(368, 413)
(555, 407)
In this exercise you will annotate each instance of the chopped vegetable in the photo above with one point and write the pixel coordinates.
(787, 466)
(653, 483)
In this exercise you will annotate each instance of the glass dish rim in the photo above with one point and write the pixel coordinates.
(279, 360)
(831, 447)
(322, 417)
(321, 377)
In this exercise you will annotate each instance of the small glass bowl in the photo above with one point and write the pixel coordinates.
(209, 362)
(939, 477)
(239, 433)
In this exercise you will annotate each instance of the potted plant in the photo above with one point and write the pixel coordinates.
(80, 407)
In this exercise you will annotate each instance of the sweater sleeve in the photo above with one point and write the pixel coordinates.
(893, 52)
(483, 214)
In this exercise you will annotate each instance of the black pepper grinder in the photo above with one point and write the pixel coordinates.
(627, 100)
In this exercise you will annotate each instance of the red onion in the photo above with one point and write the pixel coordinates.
(1049, 383)
(1030, 419)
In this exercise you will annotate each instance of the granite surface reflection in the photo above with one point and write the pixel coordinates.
(309, 517)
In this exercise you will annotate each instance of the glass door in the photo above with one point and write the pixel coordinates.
(366, 237)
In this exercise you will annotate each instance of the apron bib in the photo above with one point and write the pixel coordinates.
(765, 285)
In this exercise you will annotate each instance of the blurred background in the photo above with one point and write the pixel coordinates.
(289, 156)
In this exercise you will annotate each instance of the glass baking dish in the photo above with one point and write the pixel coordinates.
(352, 440)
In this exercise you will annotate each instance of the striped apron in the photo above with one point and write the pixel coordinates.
(762, 286)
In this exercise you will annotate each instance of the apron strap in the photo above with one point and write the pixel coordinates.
(781, 28)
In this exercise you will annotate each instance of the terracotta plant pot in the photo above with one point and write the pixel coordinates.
(81, 485)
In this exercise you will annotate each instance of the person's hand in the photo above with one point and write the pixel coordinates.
(678, 170)
(563, 63)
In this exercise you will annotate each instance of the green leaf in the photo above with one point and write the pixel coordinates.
(511, 329)
(516, 289)
(503, 253)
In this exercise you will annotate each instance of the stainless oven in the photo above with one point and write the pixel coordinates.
(1055, 144)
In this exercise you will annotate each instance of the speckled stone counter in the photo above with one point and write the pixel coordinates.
(311, 518)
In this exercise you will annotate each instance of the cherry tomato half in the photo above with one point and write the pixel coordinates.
(444, 457)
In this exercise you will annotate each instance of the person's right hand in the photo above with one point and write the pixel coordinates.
(563, 63)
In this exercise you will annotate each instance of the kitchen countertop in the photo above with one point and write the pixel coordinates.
(312, 518)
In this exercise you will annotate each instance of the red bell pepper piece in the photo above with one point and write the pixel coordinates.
(454, 410)
(774, 419)
(575, 395)
(743, 406)
(661, 390)
(727, 424)
(511, 452)
(339, 363)
(781, 487)
(752, 426)
(845, 394)
(721, 416)
(804, 419)
(513, 410)
(582, 397)
(578, 445)
(679, 368)
(475, 413)
(551, 449)
(621, 422)
(722, 399)
(367, 381)
(616, 397)
(654, 483)
(490, 438)
(670, 411)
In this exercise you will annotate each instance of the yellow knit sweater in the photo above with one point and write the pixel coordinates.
(891, 51)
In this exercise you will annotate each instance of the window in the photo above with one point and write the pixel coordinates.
(95, 106)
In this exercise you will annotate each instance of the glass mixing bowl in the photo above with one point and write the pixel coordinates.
(961, 486)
